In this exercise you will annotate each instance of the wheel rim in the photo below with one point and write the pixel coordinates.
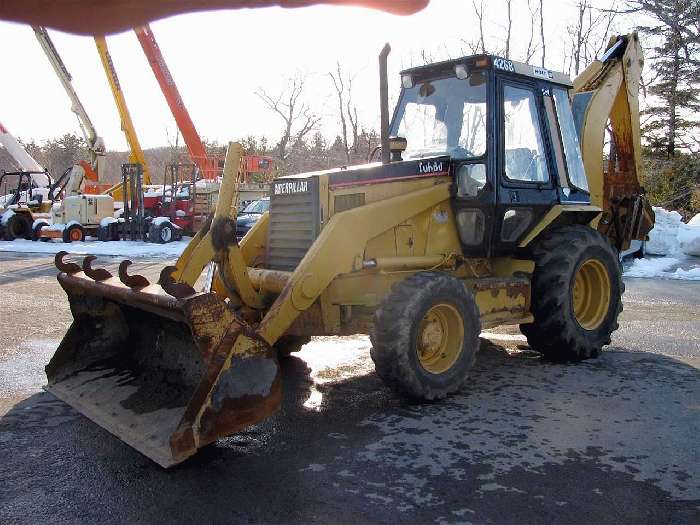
(75, 235)
(440, 338)
(166, 234)
(591, 294)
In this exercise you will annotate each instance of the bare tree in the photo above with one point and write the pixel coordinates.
(299, 119)
(347, 112)
(508, 29)
(544, 49)
(531, 45)
(476, 45)
(339, 86)
(479, 12)
(589, 34)
(353, 118)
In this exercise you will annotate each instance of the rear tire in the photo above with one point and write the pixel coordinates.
(73, 233)
(18, 226)
(576, 294)
(162, 233)
(426, 335)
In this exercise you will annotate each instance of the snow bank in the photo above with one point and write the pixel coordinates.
(157, 221)
(689, 237)
(663, 238)
(664, 268)
(6, 216)
(115, 248)
(651, 267)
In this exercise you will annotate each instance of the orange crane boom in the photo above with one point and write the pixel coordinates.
(208, 166)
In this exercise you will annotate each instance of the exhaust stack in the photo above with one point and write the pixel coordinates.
(384, 103)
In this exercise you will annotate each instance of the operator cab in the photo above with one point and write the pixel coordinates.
(510, 139)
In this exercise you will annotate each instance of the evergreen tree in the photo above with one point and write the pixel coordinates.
(675, 58)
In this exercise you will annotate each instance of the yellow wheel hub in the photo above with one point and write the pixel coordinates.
(440, 338)
(591, 294)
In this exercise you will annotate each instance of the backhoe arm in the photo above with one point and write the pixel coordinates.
(606, 95)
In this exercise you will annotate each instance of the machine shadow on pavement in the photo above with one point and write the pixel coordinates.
(361, 437)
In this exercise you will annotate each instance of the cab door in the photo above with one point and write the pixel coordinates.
(475, 184)
(527, 173)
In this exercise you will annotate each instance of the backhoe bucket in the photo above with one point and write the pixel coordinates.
(165, 374)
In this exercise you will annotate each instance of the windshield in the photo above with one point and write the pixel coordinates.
(260, 206)
(446, 116)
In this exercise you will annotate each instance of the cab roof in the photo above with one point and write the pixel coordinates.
(485, 62)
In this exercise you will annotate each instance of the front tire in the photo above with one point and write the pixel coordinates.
(576, 294)
(18, 226)
(426, 335)
(73, 233)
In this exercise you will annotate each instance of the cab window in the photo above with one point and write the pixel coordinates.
(525, 158)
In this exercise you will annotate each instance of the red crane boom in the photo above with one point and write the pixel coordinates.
(208, 166)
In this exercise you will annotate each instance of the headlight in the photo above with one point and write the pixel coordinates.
(461, 71)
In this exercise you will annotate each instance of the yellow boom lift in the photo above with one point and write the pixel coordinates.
(136, 155)
(491, 206)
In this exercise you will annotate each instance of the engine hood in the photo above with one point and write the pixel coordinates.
(366, 174)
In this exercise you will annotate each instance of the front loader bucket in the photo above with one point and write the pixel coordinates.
(165, 374)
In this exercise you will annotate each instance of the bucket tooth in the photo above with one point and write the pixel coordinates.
(177, 290)
(135, 282)
(65, 266)
(96, 274)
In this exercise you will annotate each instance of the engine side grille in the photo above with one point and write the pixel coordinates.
(294, 225)
(348, 202)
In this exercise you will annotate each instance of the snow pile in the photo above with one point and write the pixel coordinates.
(665, 268)
(663, 238)
(689, 237)
(6, 216)
(676, 242)
(170, 250)
(160, 220)
(671, 237)
(651, 267)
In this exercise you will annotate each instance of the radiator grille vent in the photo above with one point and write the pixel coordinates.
(294, 225)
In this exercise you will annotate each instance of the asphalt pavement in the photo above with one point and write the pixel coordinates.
(610, 440)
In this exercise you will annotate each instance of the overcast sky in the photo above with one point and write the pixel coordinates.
(218, 59)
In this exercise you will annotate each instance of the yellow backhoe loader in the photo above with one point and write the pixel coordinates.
(491, 205)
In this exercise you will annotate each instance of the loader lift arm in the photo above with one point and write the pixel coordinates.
(607, 92)
(136, 155)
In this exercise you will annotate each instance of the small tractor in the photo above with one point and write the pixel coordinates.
(493, 204)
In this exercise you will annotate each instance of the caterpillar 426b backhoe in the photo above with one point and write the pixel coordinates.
(491, 205)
